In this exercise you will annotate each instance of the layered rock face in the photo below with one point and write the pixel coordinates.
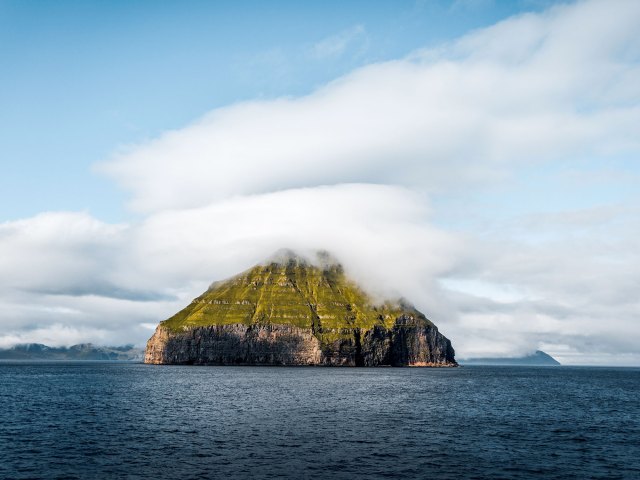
(235, 344)
(275, 344)
(290, 312)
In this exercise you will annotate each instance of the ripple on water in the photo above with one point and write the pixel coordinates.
(103, 420)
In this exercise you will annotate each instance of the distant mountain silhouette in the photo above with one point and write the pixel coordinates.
(539, 358)
(83, 351)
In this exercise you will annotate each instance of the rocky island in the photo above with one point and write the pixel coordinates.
(291, 311)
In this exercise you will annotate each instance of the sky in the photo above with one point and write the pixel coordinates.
(478, 157)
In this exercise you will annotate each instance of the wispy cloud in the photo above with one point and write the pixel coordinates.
(470, 5)
(337, 45)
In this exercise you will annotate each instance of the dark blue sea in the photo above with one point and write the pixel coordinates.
(129, 421)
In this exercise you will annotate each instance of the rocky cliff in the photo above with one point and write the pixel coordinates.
(293, 312)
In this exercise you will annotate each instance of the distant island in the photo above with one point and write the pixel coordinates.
(84, 351)
(293, 311)
(537, 359)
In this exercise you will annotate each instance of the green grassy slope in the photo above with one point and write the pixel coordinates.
(291, 292)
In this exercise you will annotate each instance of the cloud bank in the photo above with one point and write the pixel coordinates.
(533, 88)
(359, 167)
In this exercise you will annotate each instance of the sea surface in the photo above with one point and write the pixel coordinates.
(116, 420)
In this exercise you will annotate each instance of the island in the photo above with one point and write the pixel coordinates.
(294, 311)
(536, 359)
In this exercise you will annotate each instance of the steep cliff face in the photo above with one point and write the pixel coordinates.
(290, 312)
(235, 344)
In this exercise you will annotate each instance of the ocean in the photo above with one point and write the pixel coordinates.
(93, 420)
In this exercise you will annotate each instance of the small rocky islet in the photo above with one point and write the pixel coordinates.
(292, 311)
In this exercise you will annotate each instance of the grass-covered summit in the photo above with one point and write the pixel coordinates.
(290, 290)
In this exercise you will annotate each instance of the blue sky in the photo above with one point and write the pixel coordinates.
(81, 79)
(478, 157)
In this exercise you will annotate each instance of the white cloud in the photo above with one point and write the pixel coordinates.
(132, 275)
(82, 246)
(530, 89)
(355, 222)
(573, 285)
(64, 319)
